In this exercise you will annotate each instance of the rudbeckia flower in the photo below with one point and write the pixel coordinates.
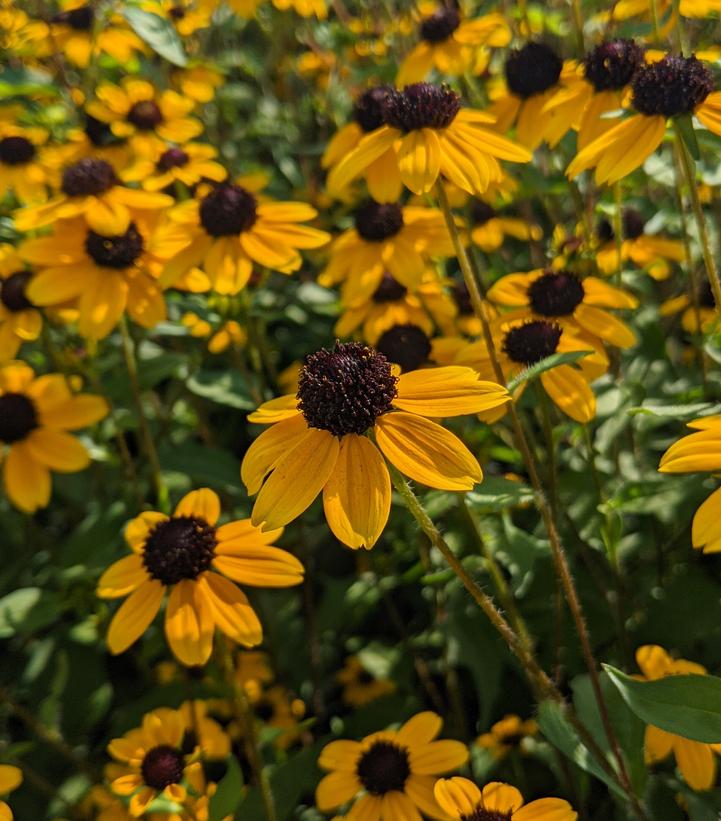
(193, 559)
(91, 188)
(198, 82)
(103, 275)
(507, 735)
(649, 251)
(462, 800)
(93, 139)
(152, 762)
(36, 414)
(408, 347)
(386, 237)
(23, 171)
(389, 774)
(305, 8)
(671, 87)
(696, 452)
(695, 319)
(20, 35)
(228, 229)
(449, 43)
(318, 440)
(695, 761)
(10, 779)
(278, 710)
(489, 228)
(137, 110)
(186, 16)
(360, 686)
(20, 321)
(162, 166)
(229, 333)
(562, 297)
(522, 343)
(431, 136)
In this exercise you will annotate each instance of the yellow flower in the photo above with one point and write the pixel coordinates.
(228, 229)
(695, 760)
(137, 110)
(103, 274)
(431, 136)
(387, 237)
(562, 297)
(22, 36)
(361, 687)
(317, 440)
(198, 82)
(489, 228)
(229, 333)
(393, 769)
(164, 165)
(670, 87)
(185, 554)
(23, 165)
(449, 43)
(91, 188)
(277, 709)
(695, 319)
(187, 16)
(10, 779)
(700, 451)
(506, 735)
(208, 737)
(464, 801)
(252, 670)
(36, 414)
(305, 8)
(20, 321)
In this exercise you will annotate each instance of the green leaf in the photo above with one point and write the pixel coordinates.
(497, 493)
(158, 33)
(689, 706)
(544, 365)
(684, 126)
(226, 799)
(24, 82)
(224, 387)
(26, 610)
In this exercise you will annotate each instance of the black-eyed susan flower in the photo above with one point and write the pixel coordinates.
(36, 414)
(408, 347)
(462, 800)
(304, 8)
(164, 165)
(21, 35)
(229, 229)
(74, 35)
(318, 439)
(193, 559)
(695, 318)
(202, 732)
(523, 342)
(186, 16)
(389, 774)
(90, 188)
(695, 761)
(277, 709)
(360, 686)
(489, 228)
(103, 275)
(697, 452)
(253, 671)
(10, 779)
(20, 321)
(23, 172)
(563, 297)
(507, 735)
(431, 135)
(137, 110)
(388, 237)
(152, 762)
(228, 333)
(92, 139)
(449, 43)
(198, 81)
(670, 87)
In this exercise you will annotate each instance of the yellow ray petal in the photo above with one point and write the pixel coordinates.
(451, 390)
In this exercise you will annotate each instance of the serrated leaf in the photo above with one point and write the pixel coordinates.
(227, 797)
(158, 33)
(689, 706)
(566, 358)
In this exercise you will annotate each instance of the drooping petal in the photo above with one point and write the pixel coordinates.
(696, 762)
(336, 789)
(268, 448)
(570, 392)
(419, 160)
(134, 616)
(397, 806)
(189, 624)
(230, 609)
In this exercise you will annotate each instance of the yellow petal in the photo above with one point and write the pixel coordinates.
(203, 504)
(134, 616)
(122, 577)
(260, 566)
(189, 624)
(419, 160)
(268, 448)
(336, 789)
(458, 796)
(230, 609)
(447, 391)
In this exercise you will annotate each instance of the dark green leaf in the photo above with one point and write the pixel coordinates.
(224, 387)
(227, 797)
(567, 358)
(684, 126)
(158, 33)
(497, 493)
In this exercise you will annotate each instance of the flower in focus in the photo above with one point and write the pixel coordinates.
(193, 559)
(23, 167)
(431, 135)
(489, 228)
(673, 86)
(695, 761)
(20, 321)
(36, 414)
(76, 36)
(390, 774)
(360, 686)
(165, 165)
(449, 43)
(464, 801)
(317, 440)
(506, 735)
(10, 779)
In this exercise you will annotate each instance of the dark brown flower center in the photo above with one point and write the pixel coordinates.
(389, 290)
(145, 115)
(421, 105)
(162, 766)
(179, 548)
(120, 251)
(172, 158)
(481, 212)
(18, 416)
(376, 222)
(80, 19)
(612, 65)
(440, 25)
(368, 108)
(228, 210)
(345, 390)
(99, 133)
(482, 814)
(12, 291)
(383, 768)
(177, 12)
(705, 297)
(16, 150)
(364, 677)
(88, 177)
(532, 69)
(633, 223)
(556, 293)
(531, 342)
(673, 85)
(405, 345)
(462, 298)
